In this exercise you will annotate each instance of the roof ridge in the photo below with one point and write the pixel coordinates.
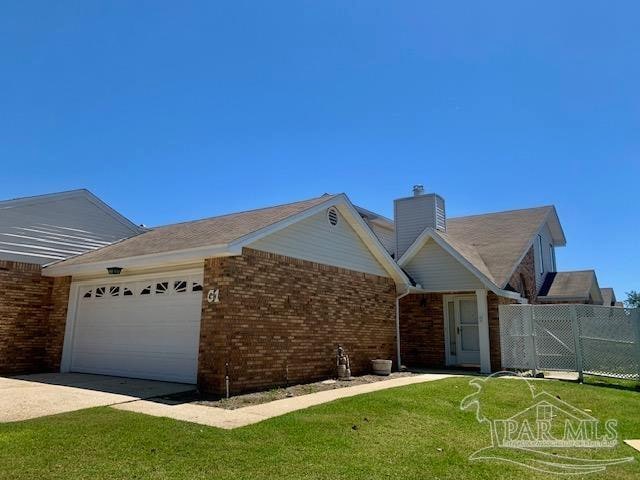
(592, 270)
(43, 195)
(501, 212)
(324, 196)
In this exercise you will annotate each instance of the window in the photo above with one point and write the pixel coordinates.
(114, 291)
(162, 287)
(180, 286)
(332, 216)
(100, 292)
(540, 254)
(87, 295)
(146, 290)
(196, 287)
(126, 292)
(553, 258)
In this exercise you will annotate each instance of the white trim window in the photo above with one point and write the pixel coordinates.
(553, 257)
(540, 255)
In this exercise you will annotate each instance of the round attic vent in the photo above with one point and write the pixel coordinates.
(332, 216)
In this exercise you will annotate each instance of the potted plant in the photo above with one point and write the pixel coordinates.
(381, 367)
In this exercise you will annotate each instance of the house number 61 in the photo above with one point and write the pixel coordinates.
(213, 296)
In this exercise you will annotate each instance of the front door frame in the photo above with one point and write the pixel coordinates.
(450, 359)
(481, 296)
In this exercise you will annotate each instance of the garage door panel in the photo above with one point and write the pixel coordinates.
(153, 335)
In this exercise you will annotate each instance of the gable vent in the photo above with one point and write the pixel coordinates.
(332, 216)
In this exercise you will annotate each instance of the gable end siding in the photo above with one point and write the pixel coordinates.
(315, 240)
(435, 269)
(44, 232)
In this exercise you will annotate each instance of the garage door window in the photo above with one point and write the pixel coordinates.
(169, 286)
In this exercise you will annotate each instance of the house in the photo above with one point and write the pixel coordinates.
(263, 297)
(35, 231)
(609, 298)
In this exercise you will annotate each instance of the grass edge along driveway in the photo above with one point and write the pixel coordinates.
(410, 432)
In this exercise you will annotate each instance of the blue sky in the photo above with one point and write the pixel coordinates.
(178, 110)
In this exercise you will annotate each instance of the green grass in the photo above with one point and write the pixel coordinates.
(410, 432)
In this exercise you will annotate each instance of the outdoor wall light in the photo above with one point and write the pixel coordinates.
(114, 270)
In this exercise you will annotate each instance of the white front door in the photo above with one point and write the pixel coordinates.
(463, 332)
(142, 329)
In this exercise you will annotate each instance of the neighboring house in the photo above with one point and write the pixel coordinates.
(264, 297)
(35, 231)
(609, 298)
(46, 228)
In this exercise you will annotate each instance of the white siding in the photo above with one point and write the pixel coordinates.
(435, 269)
(315, 240)
(546, 255)
(412, 215)
(43, 231)
(387, 237)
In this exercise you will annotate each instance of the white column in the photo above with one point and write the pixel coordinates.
(483, 331)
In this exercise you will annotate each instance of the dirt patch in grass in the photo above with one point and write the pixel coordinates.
(256, 398)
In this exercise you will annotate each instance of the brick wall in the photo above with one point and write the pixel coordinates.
(26, 313)
(493, 303)
(422, 330)
(280, 319)
(56, 323)
(523, 279)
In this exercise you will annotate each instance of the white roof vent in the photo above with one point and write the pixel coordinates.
(332, 216)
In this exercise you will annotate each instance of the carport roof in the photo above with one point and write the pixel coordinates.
(198, 233)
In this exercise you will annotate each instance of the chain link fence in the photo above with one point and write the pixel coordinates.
(589, 339)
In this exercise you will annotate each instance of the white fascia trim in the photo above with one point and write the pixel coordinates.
(176, 257)
(430, 233)
(349, 212)
(118, 279)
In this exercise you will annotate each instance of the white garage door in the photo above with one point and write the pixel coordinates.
(142, 329)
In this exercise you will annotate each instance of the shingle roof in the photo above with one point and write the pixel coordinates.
(198, 233)
(495, 242)
(568, 284)
(608, 296)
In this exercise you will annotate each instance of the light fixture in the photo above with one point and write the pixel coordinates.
(114, 270)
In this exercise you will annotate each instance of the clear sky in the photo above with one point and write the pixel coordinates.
(178, 110)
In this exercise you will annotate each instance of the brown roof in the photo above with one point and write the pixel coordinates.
(568, 284)
(495, 242)
(197, 233)
(608, 296)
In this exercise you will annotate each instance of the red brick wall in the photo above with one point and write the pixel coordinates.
(523, 279)
(280, 320)
(494, 302)
(26, 343)
(57, 321)
(422, 330)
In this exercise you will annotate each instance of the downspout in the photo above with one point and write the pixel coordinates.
(398, 326)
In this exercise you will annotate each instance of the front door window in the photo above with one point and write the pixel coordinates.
(464, 338)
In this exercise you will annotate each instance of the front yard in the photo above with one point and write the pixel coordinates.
(411, 432)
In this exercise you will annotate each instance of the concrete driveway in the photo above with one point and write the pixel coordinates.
(32, 396)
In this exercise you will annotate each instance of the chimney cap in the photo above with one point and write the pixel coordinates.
(418, 190)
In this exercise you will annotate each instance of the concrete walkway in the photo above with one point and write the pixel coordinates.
(229, 419)
(32, 396)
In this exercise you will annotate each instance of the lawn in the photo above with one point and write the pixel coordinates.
(411, 432)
